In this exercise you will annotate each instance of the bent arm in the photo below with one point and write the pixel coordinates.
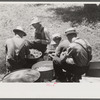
(10, 52)
(47, 40)
(67, 54)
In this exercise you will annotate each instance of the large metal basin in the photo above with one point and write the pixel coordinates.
(24, 75)
(46, 70)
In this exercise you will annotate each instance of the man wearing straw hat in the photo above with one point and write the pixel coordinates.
(41, 36)
(16, 50)
(75, 60)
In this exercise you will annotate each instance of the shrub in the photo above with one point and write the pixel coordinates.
(77, 14)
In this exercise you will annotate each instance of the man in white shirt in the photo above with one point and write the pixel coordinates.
(16, 50)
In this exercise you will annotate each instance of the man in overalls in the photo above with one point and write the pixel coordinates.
(75, 59)
(16, 50)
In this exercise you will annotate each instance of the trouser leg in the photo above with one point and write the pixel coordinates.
(69, 73)
(58, 69)
(75, 70)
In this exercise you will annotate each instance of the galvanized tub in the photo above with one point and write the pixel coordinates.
(23, 75)
(46, 70)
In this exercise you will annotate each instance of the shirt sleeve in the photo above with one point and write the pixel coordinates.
(33, 35)
(27, 47)
(70, 50)
(47, 35)
(58, 50)
(10, 49)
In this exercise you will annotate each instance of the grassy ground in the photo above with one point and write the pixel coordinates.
(57, 18)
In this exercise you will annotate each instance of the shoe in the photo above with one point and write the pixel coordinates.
(76, 78)
(55, 80)
(58, 80)
(62, 80)
(54, 77)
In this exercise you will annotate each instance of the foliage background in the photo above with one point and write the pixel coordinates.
(57, 17)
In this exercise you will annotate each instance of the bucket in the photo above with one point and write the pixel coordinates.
(46, 70)
(23, 75)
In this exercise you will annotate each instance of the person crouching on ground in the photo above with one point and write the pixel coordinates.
(41, 36)
(75, 60)
(56, 39)
(16, 50)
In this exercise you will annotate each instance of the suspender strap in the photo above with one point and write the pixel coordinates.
(82, 46)
(84, 49)
(21, 46)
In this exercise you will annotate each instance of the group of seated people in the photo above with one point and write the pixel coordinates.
(71, 55)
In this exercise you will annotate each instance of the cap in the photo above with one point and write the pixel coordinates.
(70, 31)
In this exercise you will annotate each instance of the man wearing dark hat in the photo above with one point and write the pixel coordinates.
(75, 60)
(56, 39)
(41, 36)
(16, 50)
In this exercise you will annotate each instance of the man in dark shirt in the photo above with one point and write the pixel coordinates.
(41, 37)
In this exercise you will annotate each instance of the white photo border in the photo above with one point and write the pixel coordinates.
(50, 90)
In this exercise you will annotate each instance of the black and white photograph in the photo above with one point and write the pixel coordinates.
(50, 42)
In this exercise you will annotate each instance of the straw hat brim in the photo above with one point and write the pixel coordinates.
(35, 22)
(15, 30)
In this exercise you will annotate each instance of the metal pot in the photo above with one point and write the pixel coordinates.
(46, 70)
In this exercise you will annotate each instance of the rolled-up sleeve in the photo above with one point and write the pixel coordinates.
(10, 49)
(58, 50)
(47, 36)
